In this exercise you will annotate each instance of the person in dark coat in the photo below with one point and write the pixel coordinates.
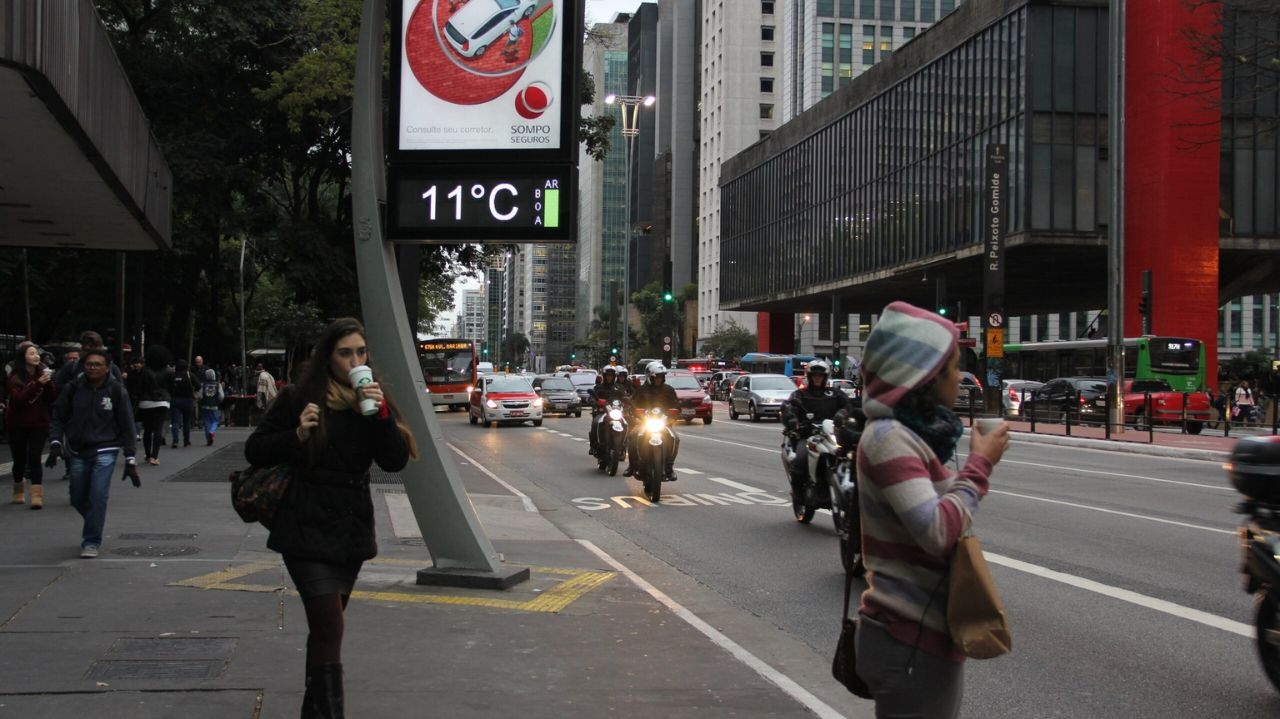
(31, 393)
(324, 525)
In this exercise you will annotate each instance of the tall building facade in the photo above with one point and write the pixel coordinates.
(473, 314)
(824, 44)
(494, 289)
(677, 135)
(738, 93)
(602, 184)
(559, 313)
(646, 258)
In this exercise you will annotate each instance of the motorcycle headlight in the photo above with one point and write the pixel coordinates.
(490, 404)
(615, 414)
(653, 424)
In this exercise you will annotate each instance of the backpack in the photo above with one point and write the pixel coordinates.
(183, 387)
(210, 394)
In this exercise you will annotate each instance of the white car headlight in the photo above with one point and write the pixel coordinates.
(654, 424)
(470, 389)
(490, 404)
(537, 402)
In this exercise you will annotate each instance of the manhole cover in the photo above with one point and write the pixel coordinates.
(119, 670)
(153, 551)
(156, 536)
(171, 648)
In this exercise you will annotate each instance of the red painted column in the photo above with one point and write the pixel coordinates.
(1172, 134)
(775, 332)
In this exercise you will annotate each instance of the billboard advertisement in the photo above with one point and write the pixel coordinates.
(477, 77)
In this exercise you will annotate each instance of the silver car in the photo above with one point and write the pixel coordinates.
(760, 395)
(1012, 391)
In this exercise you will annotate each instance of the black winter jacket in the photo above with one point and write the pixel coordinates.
(88, 419)
(327, 513)
(825, 403)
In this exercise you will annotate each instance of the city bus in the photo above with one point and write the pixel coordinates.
(769, 363)
(1177, 360)
(449, 369)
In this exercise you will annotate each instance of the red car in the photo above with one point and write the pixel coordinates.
(1165, 406)
(694, 402)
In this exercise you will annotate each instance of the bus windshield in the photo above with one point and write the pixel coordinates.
(447, 366)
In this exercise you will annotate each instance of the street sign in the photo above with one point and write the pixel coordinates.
(995, 343)
(666, 341)
(967, 342)
(666, 348)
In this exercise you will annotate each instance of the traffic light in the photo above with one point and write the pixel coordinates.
(944, 310)
(486, 351)
(614, 351)
(573, 355)
(667, 296)
(1144, 303)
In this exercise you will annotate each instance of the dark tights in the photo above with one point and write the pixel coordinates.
(324, 628)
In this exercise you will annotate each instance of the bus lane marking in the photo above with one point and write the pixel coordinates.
(746, 495)
(569, 586)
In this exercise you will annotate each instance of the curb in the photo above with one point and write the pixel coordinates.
(1208, 455)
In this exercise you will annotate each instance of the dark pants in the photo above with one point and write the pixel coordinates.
(27, 443)
(153, 420)
(907, 683)
(182, 412)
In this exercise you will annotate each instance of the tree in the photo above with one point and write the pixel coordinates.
(515, 349)
(729, 340)
(1238, 56)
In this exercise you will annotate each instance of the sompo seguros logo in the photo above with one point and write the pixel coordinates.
(533, 100)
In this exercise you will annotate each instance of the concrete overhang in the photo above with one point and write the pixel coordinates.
(79, 167)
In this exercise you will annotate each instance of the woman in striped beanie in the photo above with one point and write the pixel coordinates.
(914, 508)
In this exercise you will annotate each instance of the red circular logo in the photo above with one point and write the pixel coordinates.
(534, 100)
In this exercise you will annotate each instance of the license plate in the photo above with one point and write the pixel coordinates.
(686, 413)
(517, 413)
(1100, 402)
(561, 405)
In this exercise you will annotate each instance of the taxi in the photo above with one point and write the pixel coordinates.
(504, 398)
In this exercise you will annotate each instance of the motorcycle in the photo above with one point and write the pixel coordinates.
(1254, 470)
(651, 462)
(830, 483)
(612, 436)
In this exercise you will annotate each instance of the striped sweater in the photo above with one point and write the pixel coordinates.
(913, 510)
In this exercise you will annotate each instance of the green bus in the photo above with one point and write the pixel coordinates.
(1177, 360)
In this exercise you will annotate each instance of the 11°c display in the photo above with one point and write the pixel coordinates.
(510, 204)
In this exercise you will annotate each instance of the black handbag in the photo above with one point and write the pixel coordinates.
(256, 492)
(844, 667)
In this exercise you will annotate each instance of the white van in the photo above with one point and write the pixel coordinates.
(484, 368)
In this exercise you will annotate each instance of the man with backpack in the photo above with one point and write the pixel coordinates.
(183, 390)
(211, 398)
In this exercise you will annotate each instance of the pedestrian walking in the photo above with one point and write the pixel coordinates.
(324, 525)
(512, 48)
(153, 406)
(31, 395)
(183, 388)
(265, 388)
(1245, 405)
(93, 419)
(914, 509)
(211, 397)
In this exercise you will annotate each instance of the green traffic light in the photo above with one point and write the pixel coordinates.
(668, 297)
(942, 311)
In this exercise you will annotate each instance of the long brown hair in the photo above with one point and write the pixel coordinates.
(317, 373)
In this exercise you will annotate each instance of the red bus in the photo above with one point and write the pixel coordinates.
(449, 369)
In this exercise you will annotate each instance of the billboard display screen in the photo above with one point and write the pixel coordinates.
(485, 76)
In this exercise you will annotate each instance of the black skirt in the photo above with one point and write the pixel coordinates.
(316, 579)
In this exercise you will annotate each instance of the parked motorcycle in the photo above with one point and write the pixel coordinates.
(1254, 470)
(651, 463)
(612, 436)
(831, 483)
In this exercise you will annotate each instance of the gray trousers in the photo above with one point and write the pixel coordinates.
(907, 683)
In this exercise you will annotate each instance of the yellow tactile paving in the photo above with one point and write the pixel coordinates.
(555, 599)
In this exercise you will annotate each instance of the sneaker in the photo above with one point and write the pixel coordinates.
(89, 551)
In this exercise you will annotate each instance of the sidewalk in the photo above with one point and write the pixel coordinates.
(186, 614)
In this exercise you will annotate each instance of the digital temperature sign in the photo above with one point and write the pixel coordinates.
(466, 203)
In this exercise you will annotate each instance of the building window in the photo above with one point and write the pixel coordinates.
(927, 8)
(766, 111)
(766, 84)
(886, 41)
(826, 8)
(886, 10)
(907, 11)
(868, 45)
(846, 8)
(947, 6)
(766, 33)
(766, 7)
(908, 33)
(867, 9)
(766, 59)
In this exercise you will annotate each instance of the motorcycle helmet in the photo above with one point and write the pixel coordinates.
(610, 370)
(654, 369)
(817, 366)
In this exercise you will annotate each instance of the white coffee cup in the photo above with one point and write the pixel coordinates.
(361, 376)
(987, 425)
(47, 372)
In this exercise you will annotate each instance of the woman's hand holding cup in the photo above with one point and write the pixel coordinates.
(309, 419)
(990, 438)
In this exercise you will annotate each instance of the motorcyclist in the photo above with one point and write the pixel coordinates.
(816, 398)
(653, 393)
(600, 396)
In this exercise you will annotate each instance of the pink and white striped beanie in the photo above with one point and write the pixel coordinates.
(906, 348)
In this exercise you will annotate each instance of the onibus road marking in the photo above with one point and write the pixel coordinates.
(746, 495)
(572, 584)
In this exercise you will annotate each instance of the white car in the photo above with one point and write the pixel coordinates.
(1012, 391)
(505, 398)
(479, 23)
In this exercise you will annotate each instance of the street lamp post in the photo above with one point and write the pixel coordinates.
(630, 107)
(804, 320)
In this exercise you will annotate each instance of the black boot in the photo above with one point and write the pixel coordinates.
(324, 697)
